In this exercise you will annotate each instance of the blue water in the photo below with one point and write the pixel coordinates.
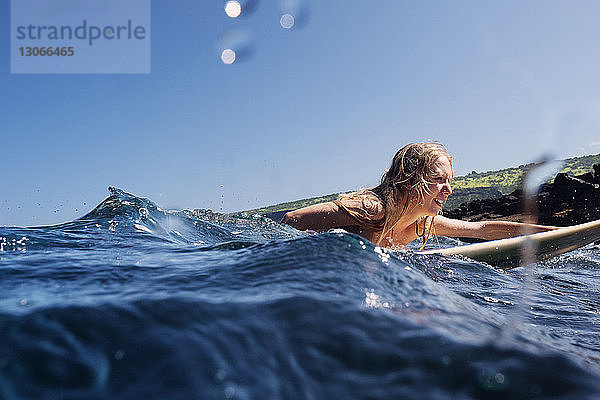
(135, 302)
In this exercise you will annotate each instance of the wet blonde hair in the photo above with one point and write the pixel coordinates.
(405, 180)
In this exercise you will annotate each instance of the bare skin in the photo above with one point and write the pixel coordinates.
(324, 216)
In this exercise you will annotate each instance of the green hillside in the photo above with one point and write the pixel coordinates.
(509, 179)
(475, 185)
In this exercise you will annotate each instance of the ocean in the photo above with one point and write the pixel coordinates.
(135, 302)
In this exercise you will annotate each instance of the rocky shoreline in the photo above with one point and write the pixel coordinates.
(568, 200)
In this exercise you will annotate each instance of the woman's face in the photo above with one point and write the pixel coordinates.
(439, 187)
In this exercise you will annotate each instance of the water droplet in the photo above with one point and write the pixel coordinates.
(235, 46)
(499, 378)
(233, 9)
(229, 392)
(228, 56)
(294, 13)
(220, 375)
(287, 21)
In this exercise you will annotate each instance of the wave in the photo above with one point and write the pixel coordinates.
(133, 301)
(128, 216)
(295, 347)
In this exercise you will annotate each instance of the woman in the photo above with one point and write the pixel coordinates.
(405, 205)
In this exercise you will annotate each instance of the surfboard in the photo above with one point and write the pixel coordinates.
(506, 253)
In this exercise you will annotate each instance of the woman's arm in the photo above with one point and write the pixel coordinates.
(488, 230)
(319, 217)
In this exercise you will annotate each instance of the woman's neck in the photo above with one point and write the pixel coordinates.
(408, 218)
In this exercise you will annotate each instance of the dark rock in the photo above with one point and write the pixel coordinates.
(588, 177)
(567, 201)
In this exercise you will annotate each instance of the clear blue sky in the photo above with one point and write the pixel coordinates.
(316, 110)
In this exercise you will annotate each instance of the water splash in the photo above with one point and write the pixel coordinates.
(539, 174)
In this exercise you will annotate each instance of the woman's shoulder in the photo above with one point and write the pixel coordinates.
(363, 204)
